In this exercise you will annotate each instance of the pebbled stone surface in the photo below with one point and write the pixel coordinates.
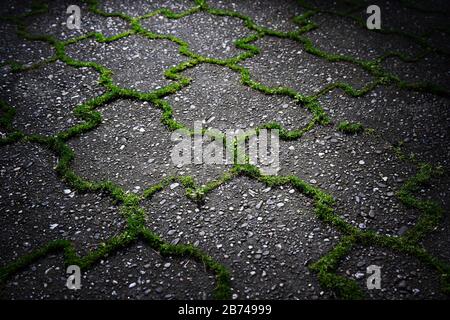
(267, 238)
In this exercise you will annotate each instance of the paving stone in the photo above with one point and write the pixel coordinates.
(369, 163)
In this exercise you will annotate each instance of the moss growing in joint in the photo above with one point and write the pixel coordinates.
(350, 128)
(135, 215)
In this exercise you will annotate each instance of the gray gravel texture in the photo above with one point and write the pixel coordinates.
(133, 149)
(403, 277)
(266, 237)
(207, 35)
(215, 89)
(44, 98)
(283, 63)
(34, 201)
(54, 23)
(137, 62)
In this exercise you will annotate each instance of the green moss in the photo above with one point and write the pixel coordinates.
(130, 207)
(327, 265)
(6, 116)
(432, 213)
(350, 128)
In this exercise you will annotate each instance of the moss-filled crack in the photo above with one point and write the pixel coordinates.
(131, 209)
